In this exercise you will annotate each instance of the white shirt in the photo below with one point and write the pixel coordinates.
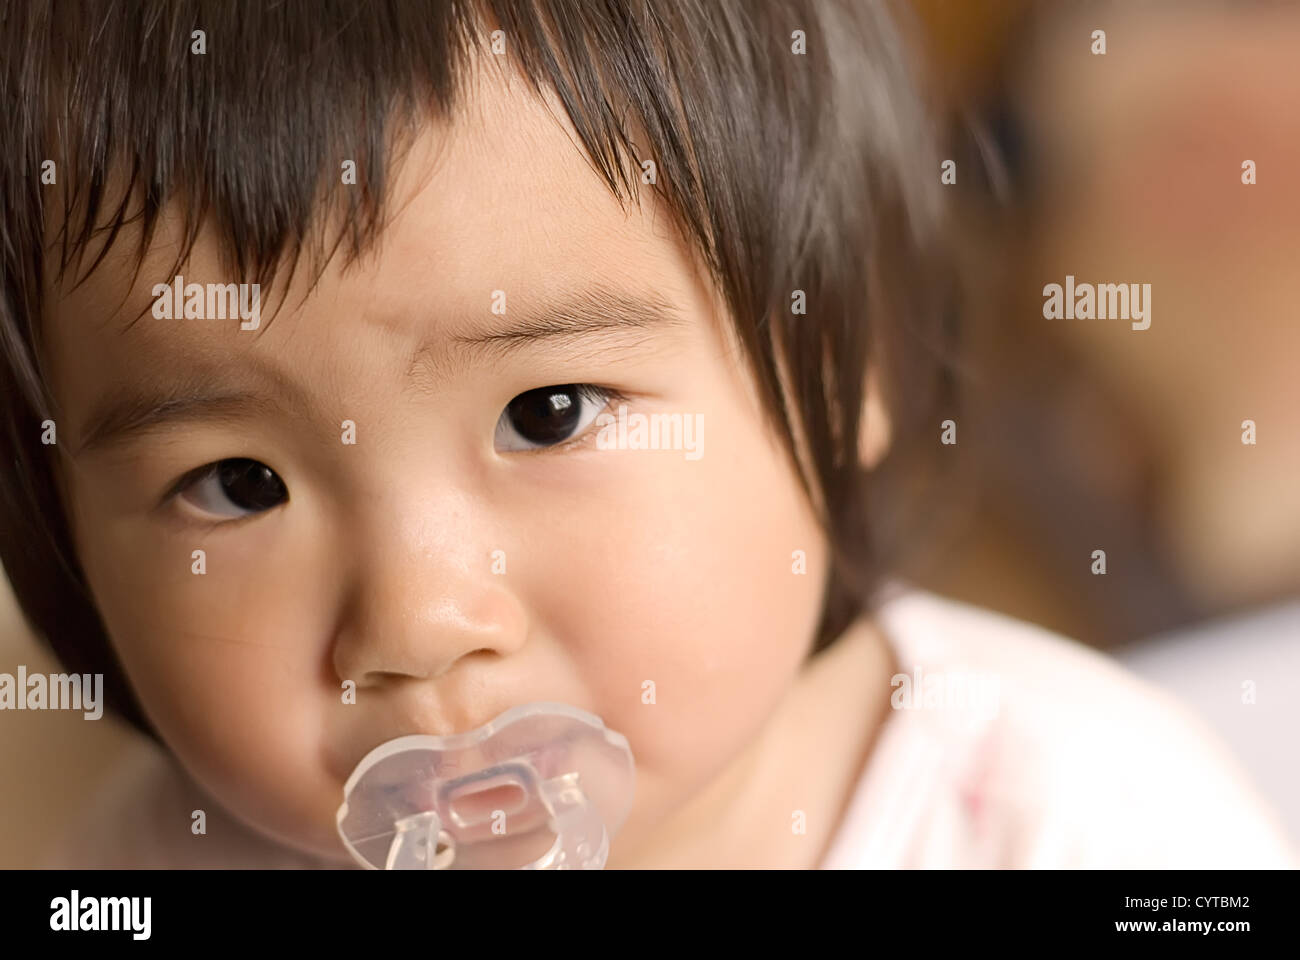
(1067, 760)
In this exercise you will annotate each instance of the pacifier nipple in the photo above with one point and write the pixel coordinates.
(542, 786)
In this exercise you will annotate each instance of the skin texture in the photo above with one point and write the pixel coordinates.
(622, 566)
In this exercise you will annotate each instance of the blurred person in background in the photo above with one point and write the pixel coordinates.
(1169, 159)
(1128, 167)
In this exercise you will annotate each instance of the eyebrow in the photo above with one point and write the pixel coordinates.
(597, 314)
(131, 413)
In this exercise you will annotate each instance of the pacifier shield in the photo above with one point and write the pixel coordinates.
(542, 786)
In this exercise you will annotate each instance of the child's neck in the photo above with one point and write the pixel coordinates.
(809, 757)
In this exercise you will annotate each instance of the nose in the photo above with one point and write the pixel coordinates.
(423, 596)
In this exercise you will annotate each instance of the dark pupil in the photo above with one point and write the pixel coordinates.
(250, 485)
(546, 415)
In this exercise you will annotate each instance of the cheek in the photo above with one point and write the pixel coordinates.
(685, 579)
(222, 664)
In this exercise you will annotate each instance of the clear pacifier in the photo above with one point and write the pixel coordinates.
(543, 786)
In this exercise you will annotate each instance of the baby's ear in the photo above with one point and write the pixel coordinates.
(874, 434)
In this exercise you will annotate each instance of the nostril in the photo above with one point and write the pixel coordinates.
(387, 678)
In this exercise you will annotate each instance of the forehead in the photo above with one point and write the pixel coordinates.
(500, 197)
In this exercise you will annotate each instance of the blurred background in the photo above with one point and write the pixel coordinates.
(1079, 435)
(1073, 435)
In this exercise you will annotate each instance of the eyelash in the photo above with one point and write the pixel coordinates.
(189, 478)
(610, 395)
(588, 436)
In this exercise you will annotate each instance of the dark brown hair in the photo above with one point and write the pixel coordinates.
(787, 169)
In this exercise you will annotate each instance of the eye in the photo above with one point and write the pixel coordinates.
(234, 488)
(549, 416)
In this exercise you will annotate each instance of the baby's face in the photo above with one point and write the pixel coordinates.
(466, 553)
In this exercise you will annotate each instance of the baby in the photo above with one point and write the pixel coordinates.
(335, 348)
